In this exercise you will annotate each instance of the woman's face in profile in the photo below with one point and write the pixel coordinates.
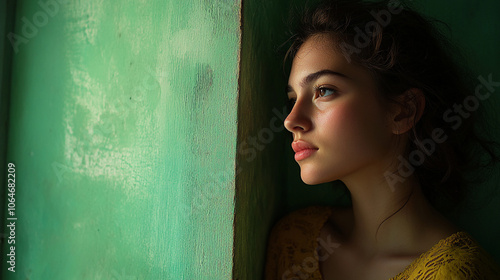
(338, 124)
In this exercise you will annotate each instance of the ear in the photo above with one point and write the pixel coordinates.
(407, 110)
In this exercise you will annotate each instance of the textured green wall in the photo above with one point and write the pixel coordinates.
(123, 129)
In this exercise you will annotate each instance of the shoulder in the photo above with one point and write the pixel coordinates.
(458, 257)
(304, 217)
(302, 227)
(293, 239)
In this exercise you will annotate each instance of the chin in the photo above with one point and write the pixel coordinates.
(313, 179)
(310, 183)
(314, 176)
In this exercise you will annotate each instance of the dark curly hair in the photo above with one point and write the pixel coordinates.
(403, 50)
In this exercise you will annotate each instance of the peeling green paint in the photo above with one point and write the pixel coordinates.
(123, 130)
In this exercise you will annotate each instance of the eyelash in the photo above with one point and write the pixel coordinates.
(318, 89)
(317, 92)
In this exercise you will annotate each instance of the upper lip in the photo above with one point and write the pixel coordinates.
(300, 145)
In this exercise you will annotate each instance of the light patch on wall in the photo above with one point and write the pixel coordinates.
(108, 111)
(185, 43)
(85, 18)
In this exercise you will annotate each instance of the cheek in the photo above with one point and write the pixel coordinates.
(354, 127)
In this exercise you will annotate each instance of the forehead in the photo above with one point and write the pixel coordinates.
(321, 52)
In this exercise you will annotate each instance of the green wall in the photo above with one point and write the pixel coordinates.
(123, 127)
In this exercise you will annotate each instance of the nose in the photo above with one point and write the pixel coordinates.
(299, 118)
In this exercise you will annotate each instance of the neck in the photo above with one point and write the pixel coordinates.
(374, 200)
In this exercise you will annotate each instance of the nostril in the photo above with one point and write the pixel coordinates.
(294, 123)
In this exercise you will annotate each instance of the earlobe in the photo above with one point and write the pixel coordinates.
(410, 107)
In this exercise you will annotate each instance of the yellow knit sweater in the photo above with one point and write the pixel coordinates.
(292, 253)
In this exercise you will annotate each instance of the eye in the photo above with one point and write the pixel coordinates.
(324, 91)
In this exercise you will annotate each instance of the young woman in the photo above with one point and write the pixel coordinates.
(378, 104)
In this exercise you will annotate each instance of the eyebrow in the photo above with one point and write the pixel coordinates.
(316, 75)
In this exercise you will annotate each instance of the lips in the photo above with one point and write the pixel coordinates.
(303, 149)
